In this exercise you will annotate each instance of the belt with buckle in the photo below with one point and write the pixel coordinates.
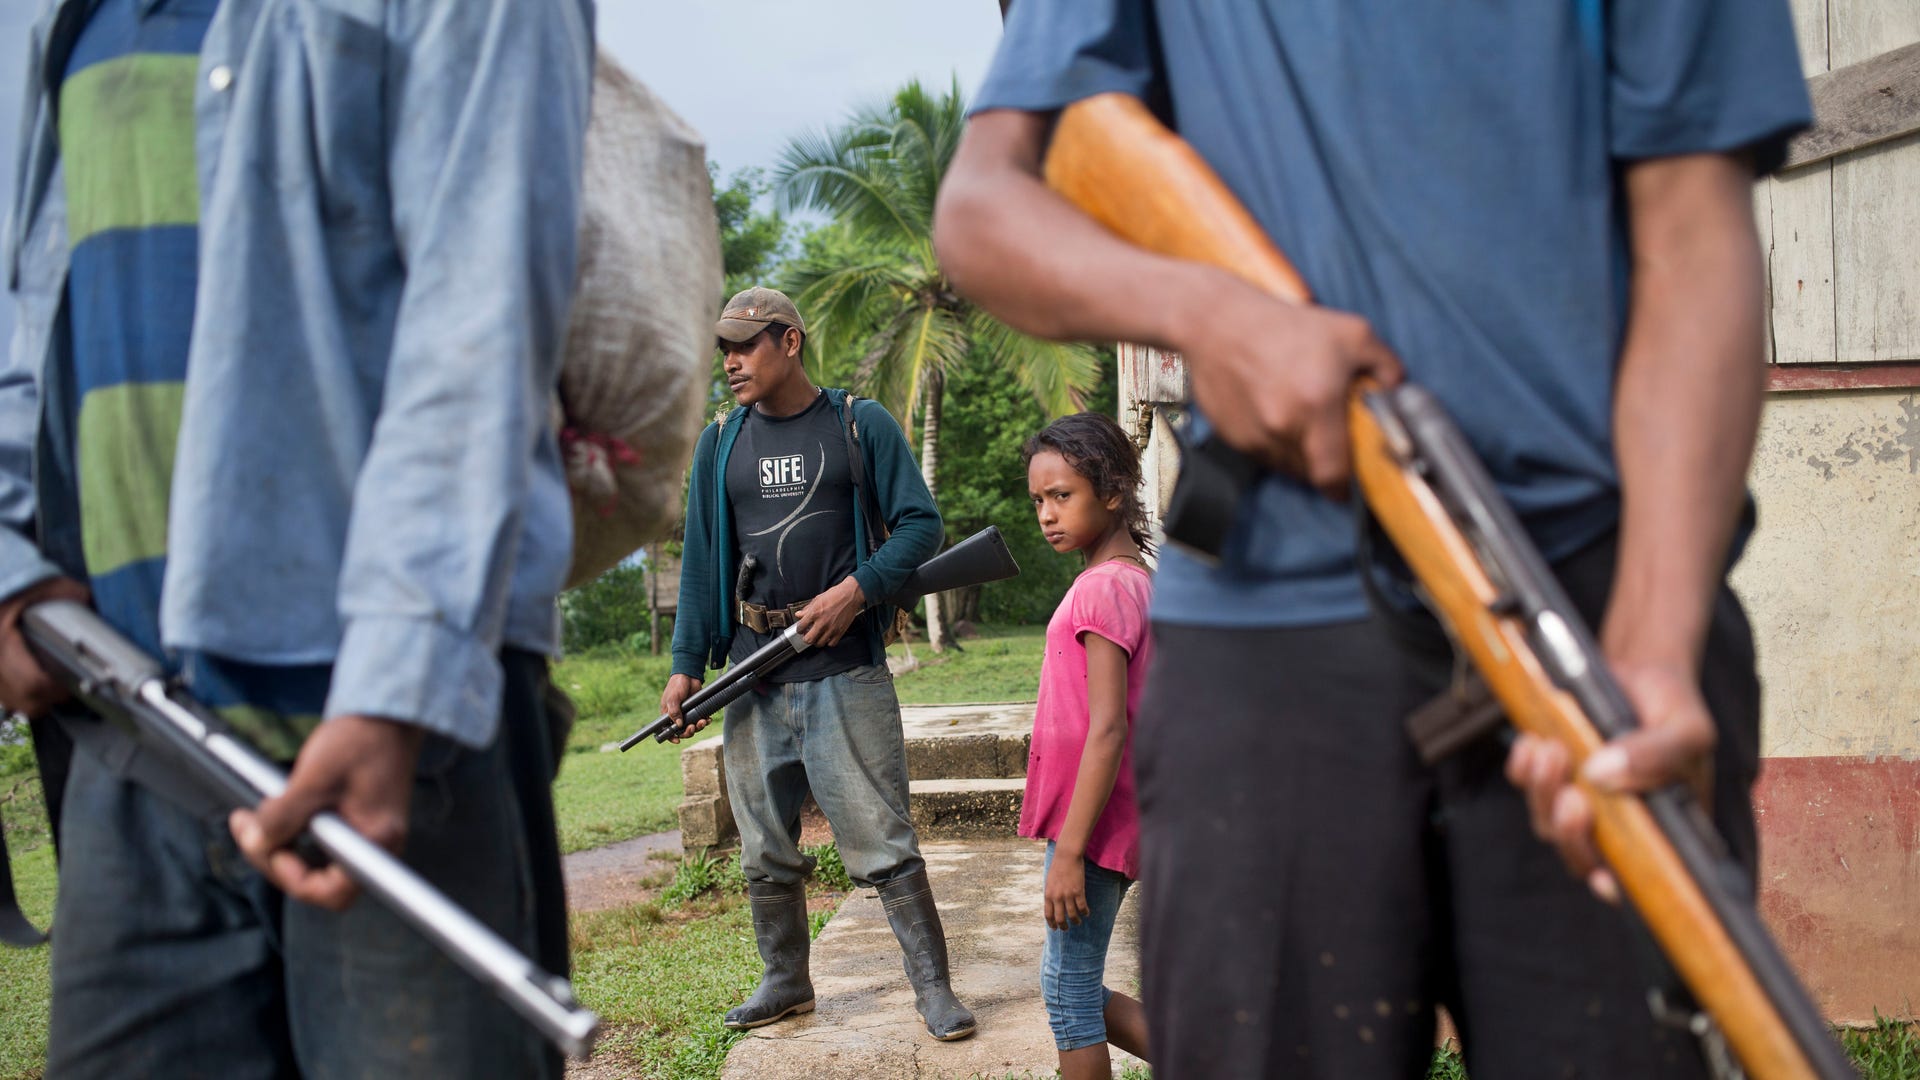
(765, 620)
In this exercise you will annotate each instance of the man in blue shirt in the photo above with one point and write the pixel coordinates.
(292, 283)
(1541, 213)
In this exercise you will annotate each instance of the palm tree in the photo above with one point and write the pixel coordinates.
(874, 294)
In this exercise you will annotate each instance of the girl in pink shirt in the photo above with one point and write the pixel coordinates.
(1084, 478)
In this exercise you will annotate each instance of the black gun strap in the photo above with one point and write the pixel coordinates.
(123, 754)
(15, 928)
(869, 504)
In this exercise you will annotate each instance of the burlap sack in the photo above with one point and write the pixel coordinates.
(633, 379)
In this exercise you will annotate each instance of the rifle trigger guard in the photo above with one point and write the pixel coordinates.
(1721, 1064)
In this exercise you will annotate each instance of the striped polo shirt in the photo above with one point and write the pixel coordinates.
(126, 117)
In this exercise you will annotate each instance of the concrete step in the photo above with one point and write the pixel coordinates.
(989, 893)
(967, 742)
(946, 744)
(974, 809)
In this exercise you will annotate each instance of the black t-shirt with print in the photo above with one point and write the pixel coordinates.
(790, 488)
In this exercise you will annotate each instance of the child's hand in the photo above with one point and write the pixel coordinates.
(1066, 894)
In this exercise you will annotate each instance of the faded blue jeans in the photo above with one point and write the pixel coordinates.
(173, 958)
(840, 738)
(1073, 963)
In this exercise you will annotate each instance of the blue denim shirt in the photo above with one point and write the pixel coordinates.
(367, 473)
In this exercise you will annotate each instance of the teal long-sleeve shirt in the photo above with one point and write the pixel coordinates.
(703, 625)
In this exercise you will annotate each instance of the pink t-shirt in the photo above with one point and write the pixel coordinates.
(1109, 599)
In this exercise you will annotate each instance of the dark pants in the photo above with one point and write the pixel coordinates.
(173, 958)
(1313, 891)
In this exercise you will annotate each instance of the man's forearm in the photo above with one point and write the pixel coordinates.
(1687, 403)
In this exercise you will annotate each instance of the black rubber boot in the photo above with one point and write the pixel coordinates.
(780, 928)
(916, 922)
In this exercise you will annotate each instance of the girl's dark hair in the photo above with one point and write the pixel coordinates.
(1099, 450)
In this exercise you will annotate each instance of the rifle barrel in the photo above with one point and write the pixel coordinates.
(980, 558)
(725, 688)
(116, 679)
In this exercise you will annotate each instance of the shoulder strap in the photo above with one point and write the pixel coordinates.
(15, 928)
(869, 505)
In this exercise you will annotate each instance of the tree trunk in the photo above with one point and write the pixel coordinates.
(929, 467)
(963, 605)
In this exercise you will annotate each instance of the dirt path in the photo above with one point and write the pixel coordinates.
(609, 877)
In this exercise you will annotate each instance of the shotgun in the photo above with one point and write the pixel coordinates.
(977, 560)
(1485, 580)
(125, 686)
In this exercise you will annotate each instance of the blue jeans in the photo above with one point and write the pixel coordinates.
(1073, 963)
(839, 737)
(173, 958)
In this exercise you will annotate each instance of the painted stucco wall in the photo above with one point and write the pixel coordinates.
(1831, 577)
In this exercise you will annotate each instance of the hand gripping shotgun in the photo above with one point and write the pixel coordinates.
(1484, 579)
(977, 560)
(125, 686)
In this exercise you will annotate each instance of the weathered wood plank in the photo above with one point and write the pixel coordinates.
(1789, 378)
(1876, 201)
(1860, 106)
(1763, 225)
(1798, 234)
(1150, 377)
(1810, 33)
(1800, 267)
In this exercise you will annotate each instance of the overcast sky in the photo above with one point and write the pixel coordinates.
(748, 74)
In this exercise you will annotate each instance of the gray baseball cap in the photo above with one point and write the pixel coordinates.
(752, 310)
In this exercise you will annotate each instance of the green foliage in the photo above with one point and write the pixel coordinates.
(697, 874)
(603, 797)
(876, 300)
(16, 759)
(983, 482)
(828, 870)
(1889, 1050)
(1002, 664)
(610, 610)
(751, 241)
(24, 976)
(16, 750)
(661, 984)
(1447, 1064)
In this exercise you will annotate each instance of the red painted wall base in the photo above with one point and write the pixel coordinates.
(1840, 878)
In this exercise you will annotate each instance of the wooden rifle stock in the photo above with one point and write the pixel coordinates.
(1117, 163)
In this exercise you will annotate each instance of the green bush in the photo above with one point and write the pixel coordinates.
(699, 874)
(828, 870)
(987, 418)
(611, 609)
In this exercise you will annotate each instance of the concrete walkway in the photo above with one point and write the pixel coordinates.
(865, 1025)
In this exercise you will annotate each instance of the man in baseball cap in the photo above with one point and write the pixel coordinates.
(752, 311)
(777, 489)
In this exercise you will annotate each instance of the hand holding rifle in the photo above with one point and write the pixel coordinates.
(825, 618)
(360, 767)
(1290, 417)
(672, 705)
(1674, 744)
(26, 687)
(686, 704)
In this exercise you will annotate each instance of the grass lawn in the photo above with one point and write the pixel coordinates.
(604, 796)
(24, 982)
(661, 973)
(1002, 664)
